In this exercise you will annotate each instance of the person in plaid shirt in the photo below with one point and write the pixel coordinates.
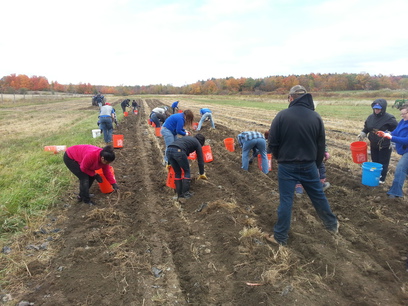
(253, 141)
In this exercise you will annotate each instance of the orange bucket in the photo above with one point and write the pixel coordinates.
(269, 161)
(52, 149)
(359, 151)
(207, 153)
(158, 133)
(117, 141)
(195, 125)
(229, 144)
(135, 111)
(192, 156)
(125, 114)
(105, 186)
(180, 111)
(55, 149)
(170, 177)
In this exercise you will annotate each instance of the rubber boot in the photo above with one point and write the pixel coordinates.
(179, 187)
(186, 189)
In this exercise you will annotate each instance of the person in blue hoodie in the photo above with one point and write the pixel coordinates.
(173, 126)
(400, 137)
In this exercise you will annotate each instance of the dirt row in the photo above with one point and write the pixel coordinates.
(142, 247)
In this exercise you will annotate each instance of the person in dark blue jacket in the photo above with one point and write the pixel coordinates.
(174, 125)
(380, 148)
(177, 153)
(124, 104)
(174, 106)
(400, 137)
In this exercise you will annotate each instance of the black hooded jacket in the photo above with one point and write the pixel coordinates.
(379, 122)
(297, 133)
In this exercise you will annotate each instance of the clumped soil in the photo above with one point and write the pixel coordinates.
(139, 246)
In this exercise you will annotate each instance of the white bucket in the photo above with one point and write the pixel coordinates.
(60, 148)
(96, 133)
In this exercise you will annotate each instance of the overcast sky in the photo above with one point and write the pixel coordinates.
(178, 42)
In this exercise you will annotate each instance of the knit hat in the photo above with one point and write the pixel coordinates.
(297, 90)
(200, 138)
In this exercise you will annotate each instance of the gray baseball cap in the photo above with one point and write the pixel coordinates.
(297, 90)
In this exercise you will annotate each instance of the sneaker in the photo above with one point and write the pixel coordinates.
(382, 182)
(326, 185)
(79, 198)
(271, 239)
(336, 230)
(391, 196)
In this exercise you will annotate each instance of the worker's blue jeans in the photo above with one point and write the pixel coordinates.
(400, 175)
(258, 145)
(308, 175)
(169, 138)
(105, 124)
(205, 116)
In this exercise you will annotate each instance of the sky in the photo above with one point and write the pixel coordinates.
(180, 42)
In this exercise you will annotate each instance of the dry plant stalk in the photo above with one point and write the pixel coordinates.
(107, 215)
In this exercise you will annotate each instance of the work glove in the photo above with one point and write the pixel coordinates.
(168, 167)
(326, 155)
(362, 135)
(115, 186)
(98, 178)
(188, 133)
(384, 134)
(202, 177)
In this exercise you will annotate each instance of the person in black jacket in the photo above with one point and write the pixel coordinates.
(297, 141)
(177, 153)
(124, 104)
(380, 147)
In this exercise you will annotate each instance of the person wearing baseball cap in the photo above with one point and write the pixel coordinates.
(380, 147)
(297, 141)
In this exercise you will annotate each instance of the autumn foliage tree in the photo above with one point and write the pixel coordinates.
(314, 82)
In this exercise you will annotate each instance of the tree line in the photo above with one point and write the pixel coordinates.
(313, 82)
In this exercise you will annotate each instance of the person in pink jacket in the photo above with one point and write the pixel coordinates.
(83, 161)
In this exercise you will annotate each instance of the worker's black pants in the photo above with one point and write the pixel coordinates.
(85, 181)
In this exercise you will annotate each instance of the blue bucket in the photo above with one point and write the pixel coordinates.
(371, 174)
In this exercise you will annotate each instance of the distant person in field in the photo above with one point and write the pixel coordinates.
(206, 115)
(380, 147)
(297, 141)
(106, 119)
(134, 105)
(174, 125)
(400, 137)
(177, 153)
(83, 161)
(174, 106)
(159, 115)
(99, 98)
(124, 104)
(256, 142)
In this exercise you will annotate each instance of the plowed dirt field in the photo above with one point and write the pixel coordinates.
(142, 247)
